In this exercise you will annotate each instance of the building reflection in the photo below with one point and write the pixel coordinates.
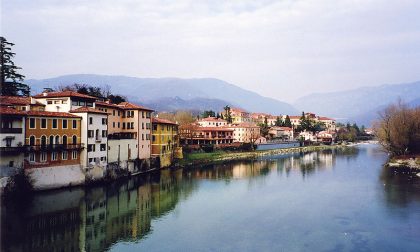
(96, 218)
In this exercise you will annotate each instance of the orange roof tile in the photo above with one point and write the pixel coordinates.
(64, 94)
(17, 100)
(88, 110)
(106, 104)
(162, 121)
(12, 111)
(129, 105)
(325, 118)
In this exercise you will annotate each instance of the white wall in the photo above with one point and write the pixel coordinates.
(144, 146)
(56, 177)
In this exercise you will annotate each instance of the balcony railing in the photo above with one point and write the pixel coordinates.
(11, 149)
(54, 147)
(11, 130)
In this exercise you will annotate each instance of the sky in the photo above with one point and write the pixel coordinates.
(282, 49)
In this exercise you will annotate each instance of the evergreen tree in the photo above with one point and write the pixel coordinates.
(228, 116)
(11, 82)
(287, 122)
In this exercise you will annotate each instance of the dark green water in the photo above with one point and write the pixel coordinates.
(321, 201)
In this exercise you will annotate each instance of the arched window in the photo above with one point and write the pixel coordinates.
(51, 140)
(74, 139)
(32, 140)
(43, 141)
(57, 140)
(64, 140)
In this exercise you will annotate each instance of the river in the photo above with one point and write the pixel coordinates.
(332, 200)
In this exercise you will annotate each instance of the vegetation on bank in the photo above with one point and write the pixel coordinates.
(398, 129)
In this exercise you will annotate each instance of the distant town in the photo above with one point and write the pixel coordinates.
(65, 138)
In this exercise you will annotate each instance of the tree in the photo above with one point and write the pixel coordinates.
(11, 82)
(208, 113)
(398, 129)
(228, 116)
(287, 122)
(279, 122)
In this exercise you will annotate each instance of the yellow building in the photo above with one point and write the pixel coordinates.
(165, 141)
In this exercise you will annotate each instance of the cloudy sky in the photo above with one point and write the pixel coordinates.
(282, 49)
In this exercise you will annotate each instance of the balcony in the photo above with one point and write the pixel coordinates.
(11, 130)
(54, 147)
(14, 149)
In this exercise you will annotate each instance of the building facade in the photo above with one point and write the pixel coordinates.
(165, 141)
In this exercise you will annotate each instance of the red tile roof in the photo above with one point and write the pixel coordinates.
(17, 100)
(213, 129)
(162, 121)
(128, 105)
(88, 110)
(212, 119)
(64, 94)
(106, 104)
(325, 118)
(12, 111)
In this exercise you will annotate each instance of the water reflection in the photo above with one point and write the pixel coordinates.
(94, 219)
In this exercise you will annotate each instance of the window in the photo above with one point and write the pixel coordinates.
(113, 112)
(51, 140)
(90, 160)
(104, 133)
(118, 125)
(113, 124)
(91, 147)
(103, 147)
(57, 139)
(103, 121)
(43, 157)
(103, 158)
(64, 155)
(54, 123)
(31, 157)
(43, 141)
(154, 138)
(90, 120)
(147, 114)
(74, 155)
(123, 125)
(53, 156)
(89, 104)
(74, 124)
(43, 123)
(168, 127)
(64, 140)
(11, 163)
(81, 103)
(118, 113)
(49, 102)
(154, 126)
(74, 103)
(142, 136)
(32, 140)
(74, 139)
(142, 125)
(147, 136)
(64, 123)
(142, 114)
(132, 125)
(32, 123)
(90, 133)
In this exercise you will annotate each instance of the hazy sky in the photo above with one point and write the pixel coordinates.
(282, 49)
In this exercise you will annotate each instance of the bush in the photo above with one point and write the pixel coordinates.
(19, 186)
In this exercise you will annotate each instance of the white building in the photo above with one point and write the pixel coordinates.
(212, 122)
(245, 132)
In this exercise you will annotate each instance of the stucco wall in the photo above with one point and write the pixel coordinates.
(56, 177)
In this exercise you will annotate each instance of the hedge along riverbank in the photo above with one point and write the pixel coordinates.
(220, 156)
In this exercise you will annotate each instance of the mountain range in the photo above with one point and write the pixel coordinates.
(359, 105)
(189, 93)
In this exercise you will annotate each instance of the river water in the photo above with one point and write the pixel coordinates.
(333, 200)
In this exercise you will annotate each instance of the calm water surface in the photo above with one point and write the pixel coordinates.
(341, 200)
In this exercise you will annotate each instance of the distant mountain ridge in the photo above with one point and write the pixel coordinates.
(359, 105)
(194, 93)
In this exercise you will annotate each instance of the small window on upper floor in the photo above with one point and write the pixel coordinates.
(32, 124)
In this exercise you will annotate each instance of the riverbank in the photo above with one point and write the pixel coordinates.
(405, 163)
(222, 156)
